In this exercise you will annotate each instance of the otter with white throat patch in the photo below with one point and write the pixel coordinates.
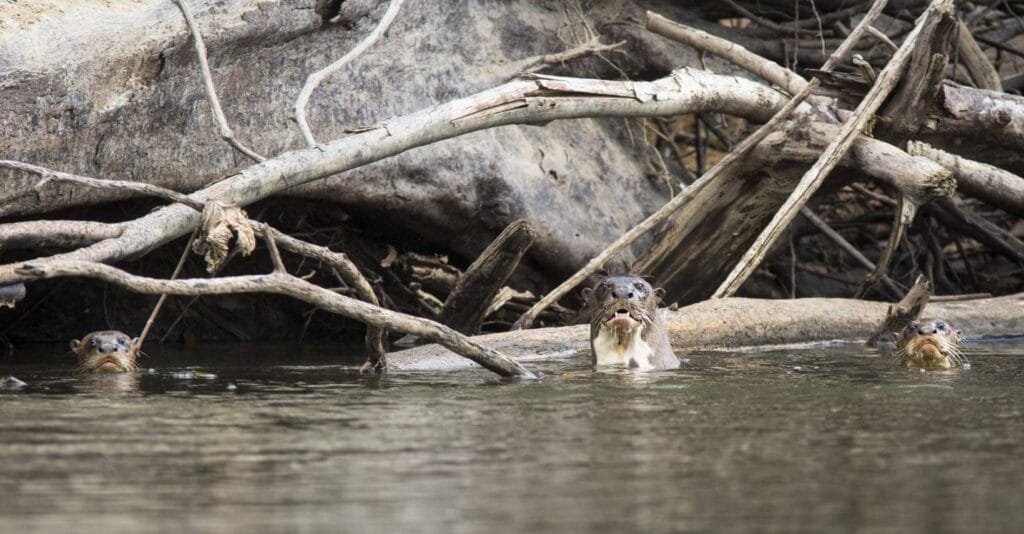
(929, 344)
(625, 327)
(106, 351)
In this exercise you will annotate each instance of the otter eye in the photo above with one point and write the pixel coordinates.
(639, 286)
(93, 342)
(940, 325)
(910, 327)
(122, 340)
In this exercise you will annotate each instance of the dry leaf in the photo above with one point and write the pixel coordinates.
(224, 232)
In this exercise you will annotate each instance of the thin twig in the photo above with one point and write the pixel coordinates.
(591, 47)
(883, 38)
(49, 175)
(839, 240)
(163, 296)
(211, 91)
(314, 80)
(761, 21)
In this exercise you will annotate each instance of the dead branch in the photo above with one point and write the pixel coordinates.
(732, 323)
(978, 66)
(70, 234)
(998, 115)
(141, 339)
(211, 91)
(314, 80)
(288, 285)
(908, 309)
(533, 100)
(49, 175)
(990, 184)
(669, 209)
(592, 47)
(59, 234)
(788, 80)
(969, 224)
(838, 239)
(812, 179)
(468, 303)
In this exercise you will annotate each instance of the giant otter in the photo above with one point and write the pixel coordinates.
(625, 327)
(107, 351)
(929, 344)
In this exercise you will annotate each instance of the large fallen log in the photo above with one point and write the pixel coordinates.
(730, 323)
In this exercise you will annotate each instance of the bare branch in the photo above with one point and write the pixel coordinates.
(669, 209)
(288, 285)
(49, 175)
(812, 179)
(540, 98)
(589, 48)
(80, 233)
(63, 234)
(788, 80)
(314, 80)
(211, 91)
(846, 246)
(990, 184)
(883, 38)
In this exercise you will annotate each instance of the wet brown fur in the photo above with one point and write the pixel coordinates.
(640, 300)
(929, 344)
(97, 348)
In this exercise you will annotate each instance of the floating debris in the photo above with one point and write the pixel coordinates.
(10, 382)
(231, 387)
(183, 375)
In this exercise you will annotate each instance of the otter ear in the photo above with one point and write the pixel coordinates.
(75, 343)
(134, 343)
(585, 293)
(659, 292)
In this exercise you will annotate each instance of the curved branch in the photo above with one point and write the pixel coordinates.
(211, 91)
(532, 100)
(63, 234)
(99, 183)
(288, 285)
(314, 80)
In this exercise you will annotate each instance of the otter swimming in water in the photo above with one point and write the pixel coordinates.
(625, 328)
(107, 351)
(929, 344)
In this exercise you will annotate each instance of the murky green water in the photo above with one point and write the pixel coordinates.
(824, 439)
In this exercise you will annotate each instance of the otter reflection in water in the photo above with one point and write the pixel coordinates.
(625, 327)
(107, 351)
(929, 344)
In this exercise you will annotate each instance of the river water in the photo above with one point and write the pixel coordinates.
(813, 439)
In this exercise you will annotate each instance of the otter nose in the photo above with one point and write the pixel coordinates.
(108, 347)
(622, 293)
(927, 330)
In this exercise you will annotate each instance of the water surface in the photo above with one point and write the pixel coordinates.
(825, 438)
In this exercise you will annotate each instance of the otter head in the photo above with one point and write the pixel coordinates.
(623, 310)
(929, 344)
(622, 303)
(108, 351)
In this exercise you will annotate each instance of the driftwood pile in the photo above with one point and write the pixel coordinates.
(902, 107)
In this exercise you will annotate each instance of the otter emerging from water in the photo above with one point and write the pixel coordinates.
(625, 328)
(929, 344)
(107, 351)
